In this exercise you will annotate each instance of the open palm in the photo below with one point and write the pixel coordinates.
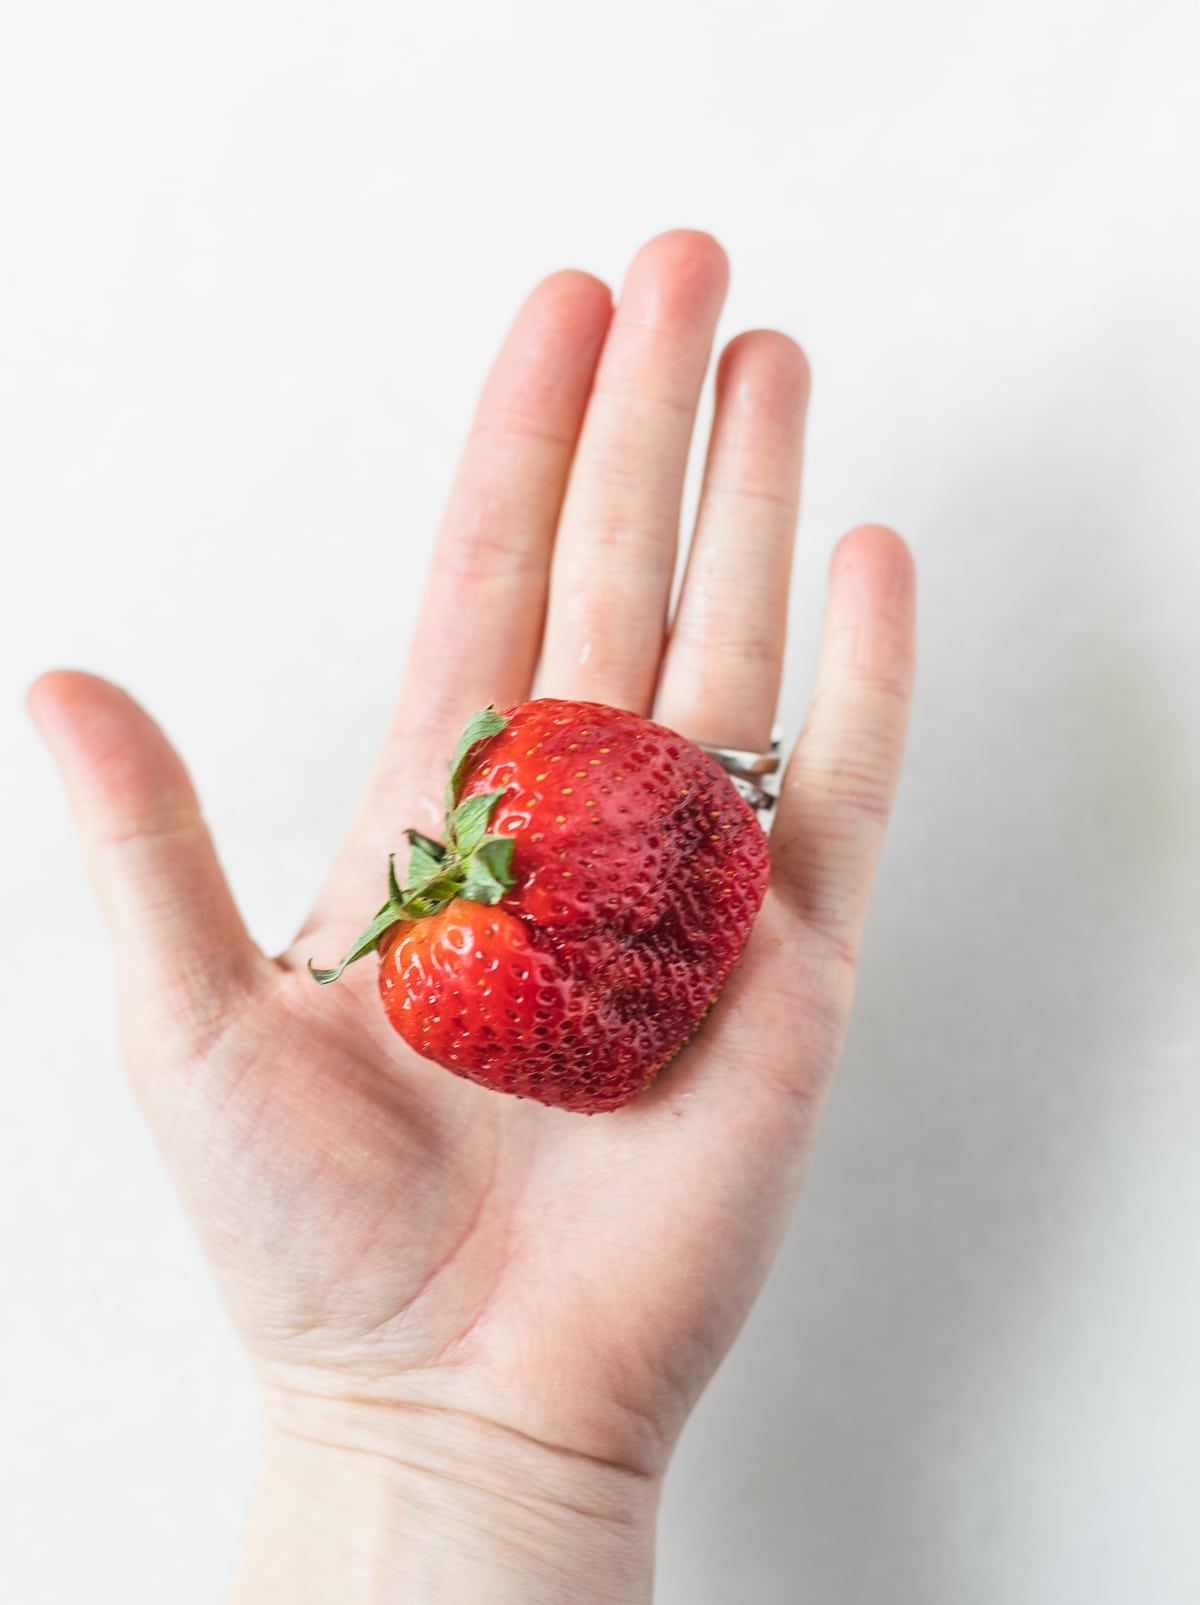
(395, 1242)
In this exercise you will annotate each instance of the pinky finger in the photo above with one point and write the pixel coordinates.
(838, 789)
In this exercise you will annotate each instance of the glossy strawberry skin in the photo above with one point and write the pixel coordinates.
(638, 872)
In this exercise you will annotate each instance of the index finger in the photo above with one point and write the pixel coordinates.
(479, 631)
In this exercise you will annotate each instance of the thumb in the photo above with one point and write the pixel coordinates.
(181, 946)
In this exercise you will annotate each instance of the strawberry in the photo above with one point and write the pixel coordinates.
(598, 882)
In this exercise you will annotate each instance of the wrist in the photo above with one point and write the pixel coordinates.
(373, 1505)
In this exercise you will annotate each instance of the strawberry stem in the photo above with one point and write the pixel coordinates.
(471, 863)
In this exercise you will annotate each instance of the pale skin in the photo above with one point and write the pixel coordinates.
(479, 1324)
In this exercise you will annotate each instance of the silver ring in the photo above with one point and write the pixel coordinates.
(755, 774)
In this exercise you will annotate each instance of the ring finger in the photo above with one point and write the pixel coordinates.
(720, 680)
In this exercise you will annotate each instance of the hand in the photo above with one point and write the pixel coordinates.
(479, 1323)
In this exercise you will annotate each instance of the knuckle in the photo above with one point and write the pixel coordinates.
(718, 642)
(146, 829)
(482, 550)
(503, 427)
(820, 899)
(850, 788)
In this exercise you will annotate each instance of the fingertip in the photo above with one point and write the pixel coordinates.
(110, 752)
(683, 272)
(74, 703)
(769, 346)
(51, 697)
(559, 330)
(35, 694)
(871, 545)
(67, 684)
(572, 290)
(43, 687)
(879, 559)
(580, 282)
(686, 245)
(766, 368)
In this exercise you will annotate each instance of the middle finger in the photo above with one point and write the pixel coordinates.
(615, 553)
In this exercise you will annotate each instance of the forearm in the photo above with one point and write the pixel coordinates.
(412, 1517)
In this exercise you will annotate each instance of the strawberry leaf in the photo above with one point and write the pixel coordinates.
(481, 886)
(425, 859)
(480, 727)
(473, 865)
(436, 850)
(364, 942)
(469, 822)
(489, 874)
(433, 895)
(496, 852)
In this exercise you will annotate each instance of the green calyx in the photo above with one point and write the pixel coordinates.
(470, 863)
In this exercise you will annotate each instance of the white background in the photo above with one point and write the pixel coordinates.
(256, 259)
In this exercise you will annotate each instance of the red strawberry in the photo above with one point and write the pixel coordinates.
(599, 881)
